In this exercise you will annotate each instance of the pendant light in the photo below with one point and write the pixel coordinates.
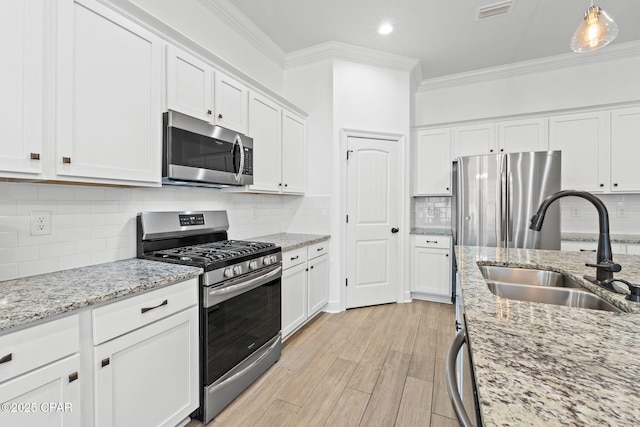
(597, 30)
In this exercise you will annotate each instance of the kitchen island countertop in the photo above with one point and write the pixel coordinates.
(291, 241)
(547, 365)
(30, 299)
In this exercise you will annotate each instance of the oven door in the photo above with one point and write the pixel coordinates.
(240, 316)
(197, 153)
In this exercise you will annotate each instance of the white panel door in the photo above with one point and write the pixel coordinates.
(584, 142)
(189, 85)
(474, 140)
(231, 103)
(21, 77)
(373, 201)
(48, 396)
(109, 117)
(432, 163)
(266, 130)
(523, 135)
(293, 153)
(625, 150)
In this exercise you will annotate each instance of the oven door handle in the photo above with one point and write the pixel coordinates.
(218, 295)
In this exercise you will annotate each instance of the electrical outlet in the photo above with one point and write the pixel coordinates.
(575, 211)
(621, 212)
(40, 223)
(254, 212)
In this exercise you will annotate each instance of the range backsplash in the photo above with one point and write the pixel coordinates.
(92, 225)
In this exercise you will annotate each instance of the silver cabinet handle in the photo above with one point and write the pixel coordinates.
(450, 377)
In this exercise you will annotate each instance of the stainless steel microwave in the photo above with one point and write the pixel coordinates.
(196, 153)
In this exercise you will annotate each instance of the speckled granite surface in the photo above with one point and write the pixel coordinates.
(291, 241)
(548, 365)
(432, 231)
(29, 299)
(593, 237)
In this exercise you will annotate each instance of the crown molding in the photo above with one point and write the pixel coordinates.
(551, 63)
(344, 51)
(246, 28)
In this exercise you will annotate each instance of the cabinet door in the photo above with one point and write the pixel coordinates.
(474, 140)
(149, 377)
(266, 130)
(21, 76)
(48, 396)
(432, 163)
(584, 142)
(294, 298)
(231, 103)
(318, 283)
(293, 153)
(523, 135)
(109, 109)
(432, 272)
(189, 85)
(625, 150)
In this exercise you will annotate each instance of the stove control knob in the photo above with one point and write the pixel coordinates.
(228, 273)
(253, 265)
(237, 270)
(274, 259)
(266, 260)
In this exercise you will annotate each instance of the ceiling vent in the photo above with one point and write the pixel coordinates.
(494, 9)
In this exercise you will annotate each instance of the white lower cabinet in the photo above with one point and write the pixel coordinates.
(148, 376)
(40, 375)
(305, 285)
(431, 268)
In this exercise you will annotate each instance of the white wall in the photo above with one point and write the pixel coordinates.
(91, 225)
(614, 79)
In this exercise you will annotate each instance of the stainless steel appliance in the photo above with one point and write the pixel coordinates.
(196, 153)
(240, 325)
(497, 194)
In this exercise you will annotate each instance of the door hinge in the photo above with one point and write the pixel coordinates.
(346, 282)
(347, 218)
(349, 151)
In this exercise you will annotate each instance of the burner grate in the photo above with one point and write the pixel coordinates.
(209, 253)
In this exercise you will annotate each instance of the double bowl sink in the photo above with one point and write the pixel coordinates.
(543, 286)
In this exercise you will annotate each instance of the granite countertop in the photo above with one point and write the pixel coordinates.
(34, 298)
(593, 237)
(432, 231)
(547, 365)
(291, 241)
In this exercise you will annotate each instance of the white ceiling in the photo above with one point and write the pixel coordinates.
(444, 35)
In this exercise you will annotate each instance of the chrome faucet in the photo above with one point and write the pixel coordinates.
(605, 267)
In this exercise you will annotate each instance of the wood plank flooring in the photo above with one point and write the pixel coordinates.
(372, 366)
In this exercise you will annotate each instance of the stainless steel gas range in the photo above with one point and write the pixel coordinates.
(240, 293)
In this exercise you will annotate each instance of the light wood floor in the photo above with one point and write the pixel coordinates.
(373, 366)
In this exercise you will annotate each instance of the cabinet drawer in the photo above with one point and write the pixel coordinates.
(318, 249)
(291, 258)
(37, 346)
(443, 242)
(121, 317)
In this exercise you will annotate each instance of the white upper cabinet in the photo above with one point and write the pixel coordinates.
(432, 163)
(21, 77)
(266, 130)
(584, 142)
(293, 153)
(523, 135)
(109, 115)
(231, 103)
(625, 150)
(189, 85)
(474, 139)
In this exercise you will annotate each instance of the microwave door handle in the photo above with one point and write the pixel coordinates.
(238, 142)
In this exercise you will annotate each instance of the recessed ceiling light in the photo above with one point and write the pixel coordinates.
(385, 29)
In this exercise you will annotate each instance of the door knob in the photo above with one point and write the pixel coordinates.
(395, 230)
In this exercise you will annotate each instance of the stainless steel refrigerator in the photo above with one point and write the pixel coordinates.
(497, 194)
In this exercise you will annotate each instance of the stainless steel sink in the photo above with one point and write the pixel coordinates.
(528, 276)
(551, 295)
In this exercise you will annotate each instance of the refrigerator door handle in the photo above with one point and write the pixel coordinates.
(503, 208)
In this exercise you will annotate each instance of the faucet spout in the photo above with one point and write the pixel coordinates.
(605, 267)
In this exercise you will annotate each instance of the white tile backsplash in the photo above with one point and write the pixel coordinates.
(434, 212)
(91, 224)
